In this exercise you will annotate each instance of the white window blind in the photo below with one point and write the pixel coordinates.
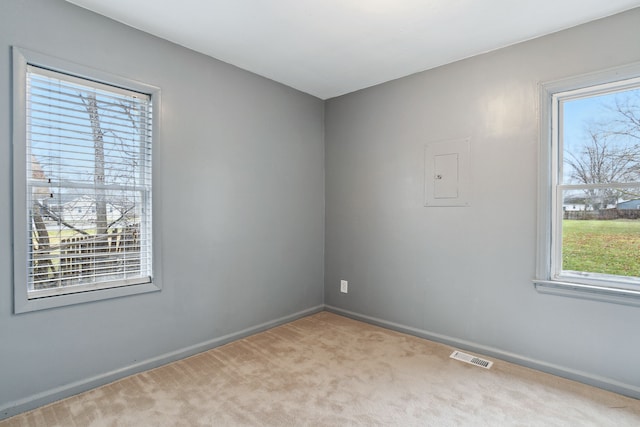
(88, 174)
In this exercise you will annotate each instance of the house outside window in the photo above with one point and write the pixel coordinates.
(82, 183)
(590, 186)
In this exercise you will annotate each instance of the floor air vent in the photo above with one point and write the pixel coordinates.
(473, 360)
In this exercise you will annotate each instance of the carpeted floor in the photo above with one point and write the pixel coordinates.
(327, 370)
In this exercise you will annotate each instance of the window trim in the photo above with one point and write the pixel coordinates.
(22, 304)
(544, 282)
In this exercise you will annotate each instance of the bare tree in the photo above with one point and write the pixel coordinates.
(627, 110)
(611, 154)
(91, 105)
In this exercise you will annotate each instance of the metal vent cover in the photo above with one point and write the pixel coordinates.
(473, 360)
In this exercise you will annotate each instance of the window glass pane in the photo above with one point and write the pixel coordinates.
(601, 139)
(89, 184)
(598, 239)
(600, 225)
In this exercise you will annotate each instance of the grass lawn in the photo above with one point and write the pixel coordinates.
(608, 247)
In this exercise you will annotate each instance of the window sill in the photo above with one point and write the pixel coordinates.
(24, 305)
(591, 292)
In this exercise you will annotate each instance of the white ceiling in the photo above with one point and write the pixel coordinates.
(331, 47)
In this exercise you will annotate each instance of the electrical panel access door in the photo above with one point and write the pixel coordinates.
(447, 173)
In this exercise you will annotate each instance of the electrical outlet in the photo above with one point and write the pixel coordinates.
(344, 286)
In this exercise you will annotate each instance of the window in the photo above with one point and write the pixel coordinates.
(82, 184)
(589, 187)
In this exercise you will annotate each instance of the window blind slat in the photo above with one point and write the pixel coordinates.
(78, 103)
(72, 125)
(55, 101)
(42, 73)
(81, 153)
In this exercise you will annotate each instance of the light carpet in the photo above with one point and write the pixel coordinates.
(328, 370)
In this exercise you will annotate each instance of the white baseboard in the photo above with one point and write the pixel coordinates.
(68, 390)
(550, 368)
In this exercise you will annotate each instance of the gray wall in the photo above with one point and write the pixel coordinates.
(463, 275)
(242, 189)
(241, 195)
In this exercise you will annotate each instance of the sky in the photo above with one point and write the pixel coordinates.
(582, 112)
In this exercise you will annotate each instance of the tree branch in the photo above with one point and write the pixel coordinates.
(58, 219)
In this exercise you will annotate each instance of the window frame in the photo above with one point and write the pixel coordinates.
(546, 280)
(22, 302)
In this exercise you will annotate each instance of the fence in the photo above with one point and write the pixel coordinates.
(82, 259)
(603, 214)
